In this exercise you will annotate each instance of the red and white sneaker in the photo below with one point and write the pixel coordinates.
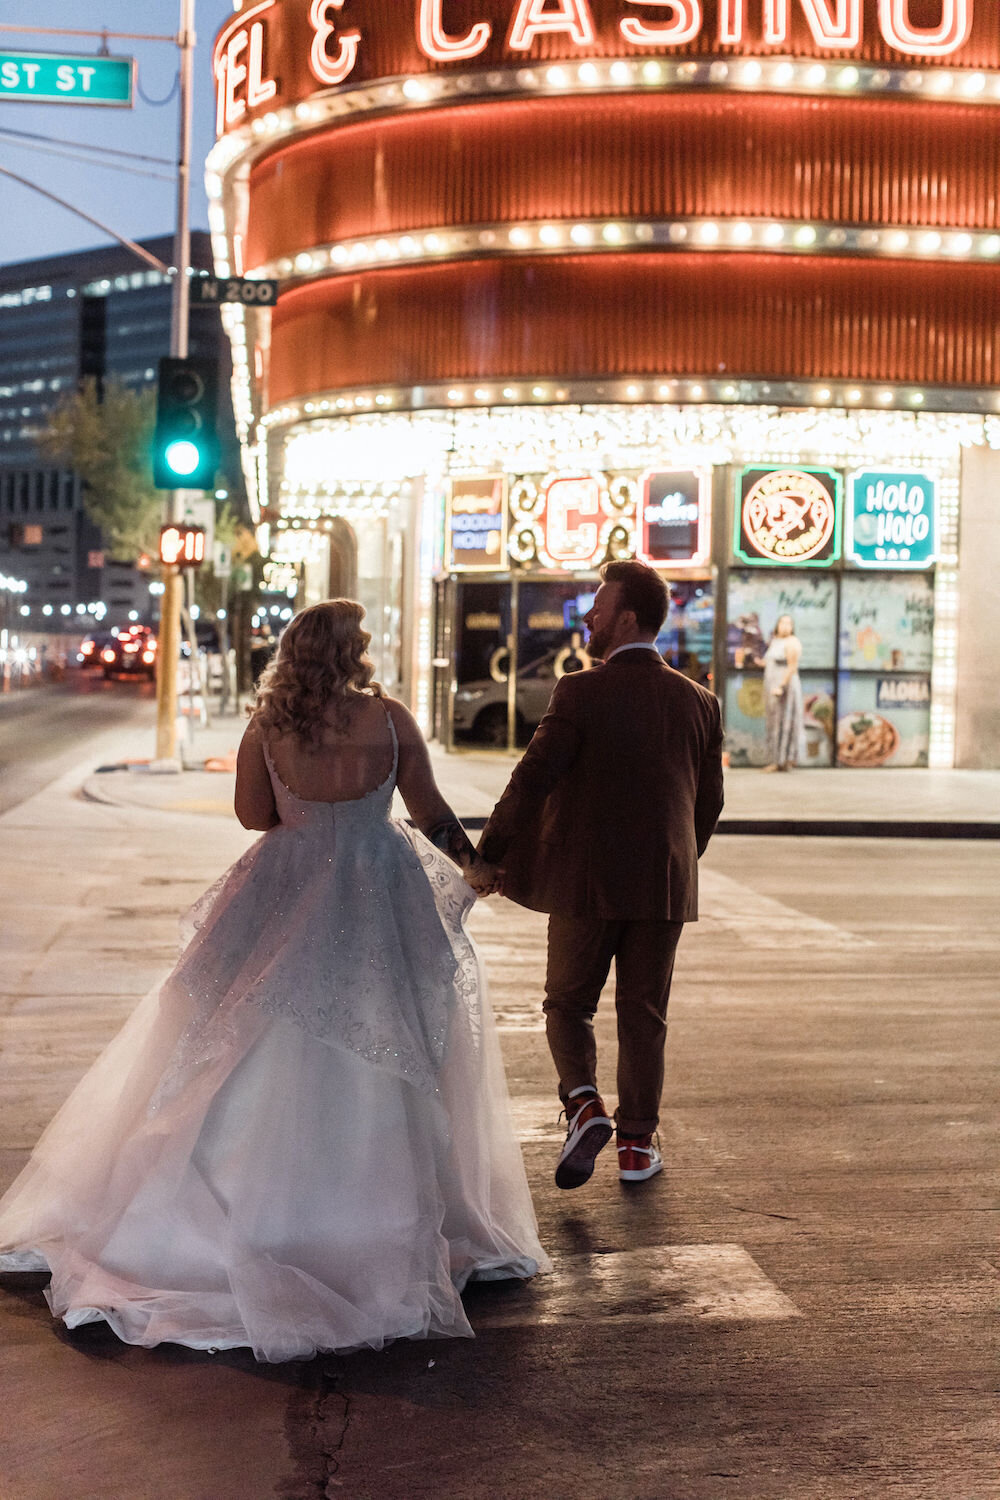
(638, 1158)
(588, 1133)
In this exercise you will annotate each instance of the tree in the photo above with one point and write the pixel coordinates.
(106, 437)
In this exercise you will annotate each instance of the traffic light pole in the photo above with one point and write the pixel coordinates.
(173, 582)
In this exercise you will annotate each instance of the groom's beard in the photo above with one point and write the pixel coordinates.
(597, 646)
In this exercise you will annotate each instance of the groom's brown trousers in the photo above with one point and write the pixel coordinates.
(579, 961)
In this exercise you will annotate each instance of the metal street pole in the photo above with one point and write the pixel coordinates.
(170, 601)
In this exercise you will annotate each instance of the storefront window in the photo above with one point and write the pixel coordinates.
(550, 643)
(482, 656)
(685, 642)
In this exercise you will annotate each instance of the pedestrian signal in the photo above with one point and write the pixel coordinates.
(186, 443)
(182, 546)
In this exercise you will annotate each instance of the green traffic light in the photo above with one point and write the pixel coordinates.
(182, 457)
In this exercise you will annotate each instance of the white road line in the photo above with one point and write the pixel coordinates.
(666, 1283)
(765, 923)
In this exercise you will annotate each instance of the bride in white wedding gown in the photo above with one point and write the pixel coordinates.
(301, 1141)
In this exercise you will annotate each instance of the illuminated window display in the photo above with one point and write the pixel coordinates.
(867, 638)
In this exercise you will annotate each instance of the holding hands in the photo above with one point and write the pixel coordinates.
(484, 878)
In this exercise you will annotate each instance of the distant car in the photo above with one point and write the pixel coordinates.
(89, 654)
(480, 707)
(132, 653)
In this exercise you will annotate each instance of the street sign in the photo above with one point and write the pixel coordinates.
(57, 78)
(234, 289)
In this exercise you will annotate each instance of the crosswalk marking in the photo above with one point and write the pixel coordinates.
(666, 1283)
(764, 923)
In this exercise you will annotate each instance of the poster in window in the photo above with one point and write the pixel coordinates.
(886, 623)
(884, 720)
(757, 600)
(746, 731)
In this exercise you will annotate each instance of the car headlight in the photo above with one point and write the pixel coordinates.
(469, 695)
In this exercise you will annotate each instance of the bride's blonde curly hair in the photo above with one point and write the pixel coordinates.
(320, 664)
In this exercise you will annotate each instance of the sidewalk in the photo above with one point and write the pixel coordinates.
(843, 803)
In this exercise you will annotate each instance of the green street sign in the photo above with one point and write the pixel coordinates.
(52, 78)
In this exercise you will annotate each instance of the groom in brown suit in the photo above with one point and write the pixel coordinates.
(601, 826)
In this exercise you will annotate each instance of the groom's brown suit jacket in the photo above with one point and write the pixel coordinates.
(616, 796)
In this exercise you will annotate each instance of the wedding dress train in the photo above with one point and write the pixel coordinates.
(301, 1141)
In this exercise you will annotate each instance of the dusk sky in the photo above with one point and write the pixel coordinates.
(136, 206)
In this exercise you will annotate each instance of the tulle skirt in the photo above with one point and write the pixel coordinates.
(286, 1193)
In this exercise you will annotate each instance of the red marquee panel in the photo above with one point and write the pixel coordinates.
(588, 317)
(854, 161)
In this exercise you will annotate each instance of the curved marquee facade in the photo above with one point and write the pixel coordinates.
(491, 215)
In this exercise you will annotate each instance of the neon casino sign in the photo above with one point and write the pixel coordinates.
(571, 521)
(788, 516)
(336, 38)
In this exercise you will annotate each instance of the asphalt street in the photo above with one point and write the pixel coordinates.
(797, 1309)
(48, 730)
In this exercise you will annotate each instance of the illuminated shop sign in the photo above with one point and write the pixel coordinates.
(789, 516)
(673, 523)
(891, 519)
(476, 524)
(339, 31)
(572, 522)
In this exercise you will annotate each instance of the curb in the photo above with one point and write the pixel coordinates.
(95, 789)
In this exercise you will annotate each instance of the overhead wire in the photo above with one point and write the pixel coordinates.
(34, 135)
(73, 155)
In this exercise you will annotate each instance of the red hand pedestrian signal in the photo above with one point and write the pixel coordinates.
(182, 546)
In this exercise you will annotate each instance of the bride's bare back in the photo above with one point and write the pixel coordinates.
(352, 759)
(350, 762)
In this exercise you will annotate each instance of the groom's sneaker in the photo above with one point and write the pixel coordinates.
(589, 1131)
(638, 1158)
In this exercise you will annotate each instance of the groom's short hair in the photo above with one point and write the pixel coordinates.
(643, 591)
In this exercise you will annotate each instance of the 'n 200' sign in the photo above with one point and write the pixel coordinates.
(337, 34)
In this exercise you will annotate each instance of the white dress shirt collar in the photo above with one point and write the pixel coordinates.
(632, 646)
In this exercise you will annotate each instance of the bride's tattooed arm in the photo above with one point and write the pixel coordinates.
(450, 837)
(428, 808)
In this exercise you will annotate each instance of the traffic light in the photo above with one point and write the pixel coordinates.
(182, 546)
(186, 444)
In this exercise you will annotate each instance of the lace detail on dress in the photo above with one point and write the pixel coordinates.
(454, 900)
